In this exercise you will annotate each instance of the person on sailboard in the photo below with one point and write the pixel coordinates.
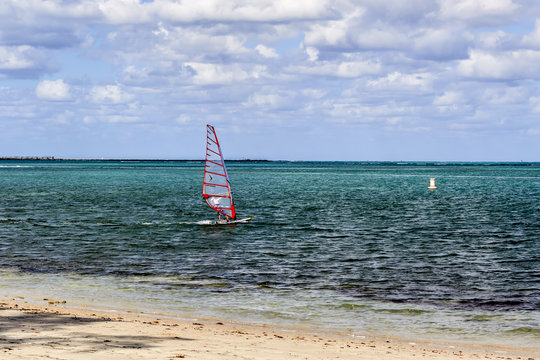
(227, 219)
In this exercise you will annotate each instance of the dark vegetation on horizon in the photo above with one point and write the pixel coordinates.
(363, 162)
(52, 158)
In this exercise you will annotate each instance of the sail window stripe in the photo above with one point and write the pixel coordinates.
(215, 173)
(213, 184)
(213, 162)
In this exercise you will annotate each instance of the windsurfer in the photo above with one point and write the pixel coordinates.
(216, 188)
(227, 219)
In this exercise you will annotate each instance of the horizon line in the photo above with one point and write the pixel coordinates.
(52, 158)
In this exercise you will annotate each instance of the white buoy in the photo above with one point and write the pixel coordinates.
(432, 184)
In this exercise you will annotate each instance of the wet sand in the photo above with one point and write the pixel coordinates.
(52, 330)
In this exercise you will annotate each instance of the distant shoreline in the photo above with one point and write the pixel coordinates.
(360, 162)
(52, 158)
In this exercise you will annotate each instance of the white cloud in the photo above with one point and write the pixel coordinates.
(359, 28)
(532, 39)
(53, 90)
(237, 10)
(507, 95)
(343, 69)
(16, 57)
(354, 32)
(122, 119)
(28, 10)
(518, 64)
(271, 98)
(156, 45)
(387, 38)
(217, 74)
(355, 68)
(333, 33)
(161, 31)
(265, 100)
(493, 41)
(89, 120)
(135, 12)
(64, 117)
(398, 81)
(441, 44)
(266, 51)
(534, 102)
(387, 114)
(183, 119)
(125, 11)
(479, 12)
(314, 93)
(111, 118)
(448, 98)
(109, 94)
(313, 53)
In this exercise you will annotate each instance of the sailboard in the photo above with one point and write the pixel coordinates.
(216, 186)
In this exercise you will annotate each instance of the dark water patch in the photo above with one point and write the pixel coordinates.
(333, 236)
(210, 286)
(351, 307)
(411, 312)
(484, 317)
(526, 331)
(500, 304)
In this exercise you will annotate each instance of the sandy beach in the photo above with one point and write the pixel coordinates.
(52, 330)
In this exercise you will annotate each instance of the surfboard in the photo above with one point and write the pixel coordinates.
(214, 222)
(239, 221)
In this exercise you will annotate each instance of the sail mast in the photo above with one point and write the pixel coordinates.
(216, 187)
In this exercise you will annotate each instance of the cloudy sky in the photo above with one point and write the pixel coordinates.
(279, 79)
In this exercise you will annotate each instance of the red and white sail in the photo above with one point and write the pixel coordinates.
(216, 187)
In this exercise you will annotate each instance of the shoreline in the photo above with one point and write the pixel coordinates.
(344, 318)
(55, 330)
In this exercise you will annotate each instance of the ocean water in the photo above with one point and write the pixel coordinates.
(360, 248)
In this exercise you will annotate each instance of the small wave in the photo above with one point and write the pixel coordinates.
(205, 222)
(159, 223)
(494, 304)
(10, 221)
(349, 306)
(403, 311)
(209, 285)
(334, 236)
(16, 166)
(107, 224)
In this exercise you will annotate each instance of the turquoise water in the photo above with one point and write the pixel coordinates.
(363, 248)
